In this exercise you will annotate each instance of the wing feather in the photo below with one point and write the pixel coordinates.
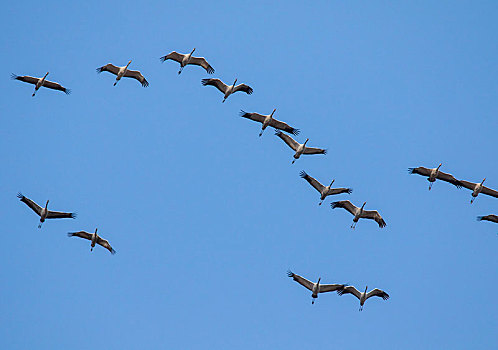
(135, 74)
(491, 217)
(25, 78)
(349, 290)
(312, 181)
(324, 288)
(56, 86)
(301, 280)
(217, 83)
(288, 140)
(345, 205)
(313, 150)
(489, 191)
(374, 215)
(104, 243)
(175, 56)
(108, 68)
(35, 207)
(201, 61)
(60, 215)
(253, 116)
(377, 293)
(244, 88)
(81, 234)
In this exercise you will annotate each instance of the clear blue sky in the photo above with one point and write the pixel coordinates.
(207, 217)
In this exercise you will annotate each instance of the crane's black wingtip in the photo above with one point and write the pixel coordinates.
(205, 81)
(13, 76)
(480, 218)
(295, 132)
(73, 215)
(334, 205)
(210, 70)
(100, 69)
(349, 191)
(162, 59)
(303, 174)
(67, 91)
(113, 251)
(19, 195)
(290, 273)
(411, 170)
(242, 113)
(278, 132)
(325, 151)
(70, 234)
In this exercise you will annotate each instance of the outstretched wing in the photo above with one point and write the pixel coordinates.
(312, 181)
(467, 184)
(175, 56)
(60, 215)
(217, 83)
(253, 116)
(81, 234)
(244, 88)
(201, 61)
(301, 280)
(420, 171)
(374, 215)
(313, 150)
(490, 217)
(345, 205)
(104, 243)
(377, 293)
(108, 68)
(339, 190)
(324, 288)
(135, 74)
(489, 191)
(349, 290)
(56, 86)
(25, 78)
(448, 178)
(35, 207)
(277, 124)
(288, 140)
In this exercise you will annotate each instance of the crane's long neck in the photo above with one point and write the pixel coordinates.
(271, 115)
(483, 181)
(46, 204)
(331, 183)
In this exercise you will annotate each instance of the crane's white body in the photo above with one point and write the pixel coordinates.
(121, 73)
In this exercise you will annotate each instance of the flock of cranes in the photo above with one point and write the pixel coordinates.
(283, 131)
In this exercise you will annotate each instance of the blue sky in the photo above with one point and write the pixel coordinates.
(207, 217)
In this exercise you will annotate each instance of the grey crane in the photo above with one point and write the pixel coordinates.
(359, 213)
(268, 120)
(185, 59)
(363, 296)
(433, 174)
(39, 82)
(120, 72)
(299, 148)
(44, 213)
(227, 90)
(324, 190)
(315, 288)
(94, 238)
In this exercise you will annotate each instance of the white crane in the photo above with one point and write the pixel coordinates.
(268, 120)
(433, 174)
(359, 213)
(477, 188)
(299, 148)
(120, 72)
(185, 59)
(324, 190)
(94, 238)
(226, 89)
(315, 288)
(39, 82)
(44, 213)
(363, 296)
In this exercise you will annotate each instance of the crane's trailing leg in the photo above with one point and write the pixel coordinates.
(40, 225)
(180, 71)
(430, 185)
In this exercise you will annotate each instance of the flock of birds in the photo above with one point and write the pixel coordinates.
(283, 131)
